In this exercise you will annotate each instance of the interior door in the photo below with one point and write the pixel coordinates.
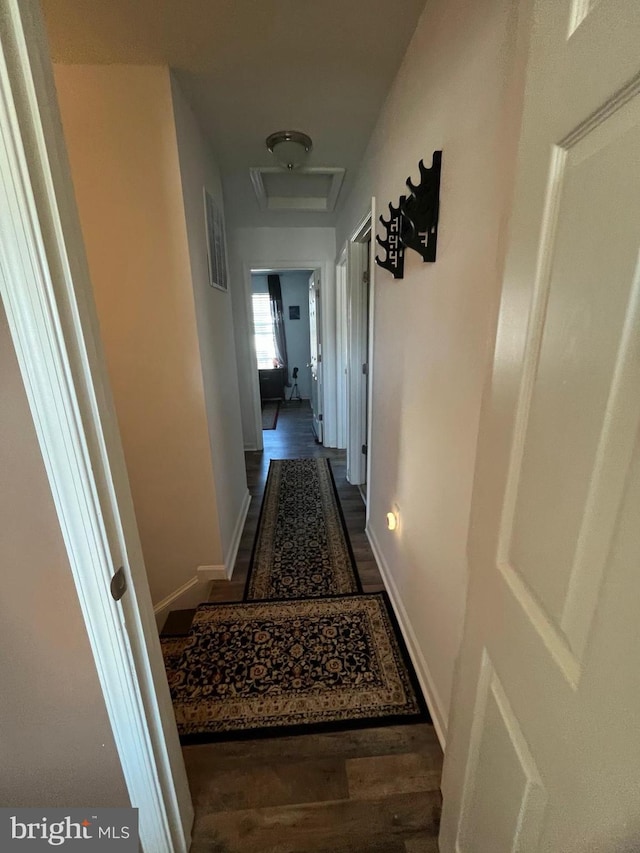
(358, 357)
(315, 341)
(544, 747)
(365, 390)
(47, 296)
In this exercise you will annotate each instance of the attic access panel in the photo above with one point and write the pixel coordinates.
(312, 188)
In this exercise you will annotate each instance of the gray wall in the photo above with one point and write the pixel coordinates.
(56, 746)
(459, 89)
(214, 319)
(295, 291)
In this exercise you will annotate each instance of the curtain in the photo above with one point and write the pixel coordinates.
(277, 315)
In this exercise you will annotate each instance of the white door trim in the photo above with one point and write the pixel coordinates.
(356, 462)
(372, 315)
(45, 287)
(328, 393)
(359, 467)
(258, 443)
(342, 337)
(362, 231)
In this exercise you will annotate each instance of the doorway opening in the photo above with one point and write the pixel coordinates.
(285, 342)
(359, 297)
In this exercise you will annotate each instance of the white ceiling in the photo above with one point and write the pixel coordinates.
(251, 67)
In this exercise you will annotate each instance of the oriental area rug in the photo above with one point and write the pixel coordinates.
(302, 547)
(306, 650)
(288, 667)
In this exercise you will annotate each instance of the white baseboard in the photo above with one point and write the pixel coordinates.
(190, 594)
(224, 572)
(251, 446)
(212, 573)
(230, 557)
(415, 652)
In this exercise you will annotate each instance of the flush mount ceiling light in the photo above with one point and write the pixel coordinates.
(289, 147)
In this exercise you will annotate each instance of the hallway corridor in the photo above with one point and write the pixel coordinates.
(293, 439)
(370, 790)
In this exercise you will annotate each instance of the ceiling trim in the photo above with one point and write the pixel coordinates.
(311, 203)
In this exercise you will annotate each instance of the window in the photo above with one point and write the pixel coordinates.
(263, 331)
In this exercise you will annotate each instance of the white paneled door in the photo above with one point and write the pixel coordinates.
(315, 341)
(544, 744)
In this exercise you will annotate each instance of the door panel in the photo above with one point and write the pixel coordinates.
(498, 748)
(543, 753)
(587, 298)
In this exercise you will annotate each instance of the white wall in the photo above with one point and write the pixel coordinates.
(279, 248)
(120, 132)
(295, 291)
(56, 745)
(458, 89)
(214, 319)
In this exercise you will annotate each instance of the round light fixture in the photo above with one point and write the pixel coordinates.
(289, 147)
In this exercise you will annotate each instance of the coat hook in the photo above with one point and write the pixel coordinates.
(393, 261)
(421, 210)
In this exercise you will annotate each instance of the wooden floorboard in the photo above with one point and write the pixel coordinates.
(354, 743)
(342, 825)
(360, 791)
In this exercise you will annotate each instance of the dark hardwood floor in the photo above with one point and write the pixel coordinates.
(293, 438)
(364, 791)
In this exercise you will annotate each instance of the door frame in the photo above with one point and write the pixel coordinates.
(360, 402)
(47, 294)
(260, 265)
(317, 411)
(342, 349)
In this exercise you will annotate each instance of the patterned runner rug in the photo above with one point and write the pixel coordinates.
(302, 548)
(285, 667)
